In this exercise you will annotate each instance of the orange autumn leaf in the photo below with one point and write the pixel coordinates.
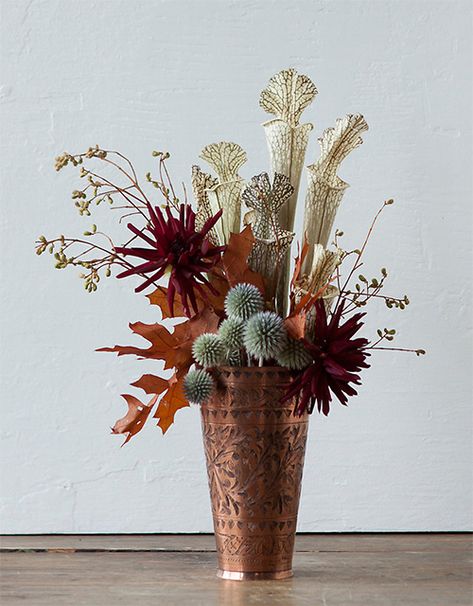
(221, 285)
(151, 384)
(135, 418)
(186, 333)
(159, 298)
(162, 343)
(176, 351)
(309, 299)
(204, 299)
(174, 348)
(295, 325)
(299, 260)
(235, 260)
(173, 400)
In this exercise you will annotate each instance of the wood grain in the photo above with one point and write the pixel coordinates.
(364, 570)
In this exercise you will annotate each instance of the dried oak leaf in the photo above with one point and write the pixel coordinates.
(162, 342)
(173, 400)
(174, 348)
(135, 418)
(159, 298)
(235, 260)
(299, 260)
(210, 299)
(308, 299)
(186, 333)
(176, 351)
(295, 325)
(151, 384)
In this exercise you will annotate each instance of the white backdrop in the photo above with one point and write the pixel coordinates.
(140, 75)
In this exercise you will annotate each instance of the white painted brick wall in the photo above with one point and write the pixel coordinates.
(138, 75)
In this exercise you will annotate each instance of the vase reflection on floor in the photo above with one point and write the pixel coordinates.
(254, 448)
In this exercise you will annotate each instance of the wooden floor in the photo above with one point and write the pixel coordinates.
(144, 570)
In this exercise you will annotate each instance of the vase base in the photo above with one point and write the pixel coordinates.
(231, 575)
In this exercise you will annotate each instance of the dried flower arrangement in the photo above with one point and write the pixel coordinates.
(227, 276)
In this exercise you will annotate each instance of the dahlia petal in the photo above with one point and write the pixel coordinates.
(335, 320)
(211, 222)
(156, 217)
(150, 280)
(205, 247)
(142, 253)
(190, 219)
(304, 401)
(170, 296)
(320, 319)
(192, 299)
(341, 397)
(340, 346)
(139, 269)
(140, 233)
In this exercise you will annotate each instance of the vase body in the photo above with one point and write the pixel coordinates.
(254, 448)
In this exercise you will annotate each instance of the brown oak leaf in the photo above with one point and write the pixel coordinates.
(162, 343)
(299, 260)
(295, 325)
(176, 350)
(159, 298)
(135, 418)
(204, 299)
(151, 384)
(185, 334)
(235, 260)
(173, 400)
(309, 299)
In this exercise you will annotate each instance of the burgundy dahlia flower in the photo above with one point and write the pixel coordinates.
(337, 358)
(175, 247)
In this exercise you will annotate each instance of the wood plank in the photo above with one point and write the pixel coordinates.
(418, 577)
(322, 542)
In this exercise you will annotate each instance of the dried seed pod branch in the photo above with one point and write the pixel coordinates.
(91, 257)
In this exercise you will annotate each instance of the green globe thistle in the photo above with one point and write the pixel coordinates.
(264, 335)
(234, 359)
(198, 386)
(231, 332)
(293, 355)
(208, 350)
(243, 301)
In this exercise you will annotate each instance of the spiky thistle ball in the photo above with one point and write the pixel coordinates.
(198, 386)
(293, 354)
(264, 335)
(208, 350)
(231, 332)
(234, 359)
(243, 301)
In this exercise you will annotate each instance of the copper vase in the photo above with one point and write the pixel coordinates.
(254, 448)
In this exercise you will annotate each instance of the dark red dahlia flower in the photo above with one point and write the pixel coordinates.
(175, 246)
(337, 358)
